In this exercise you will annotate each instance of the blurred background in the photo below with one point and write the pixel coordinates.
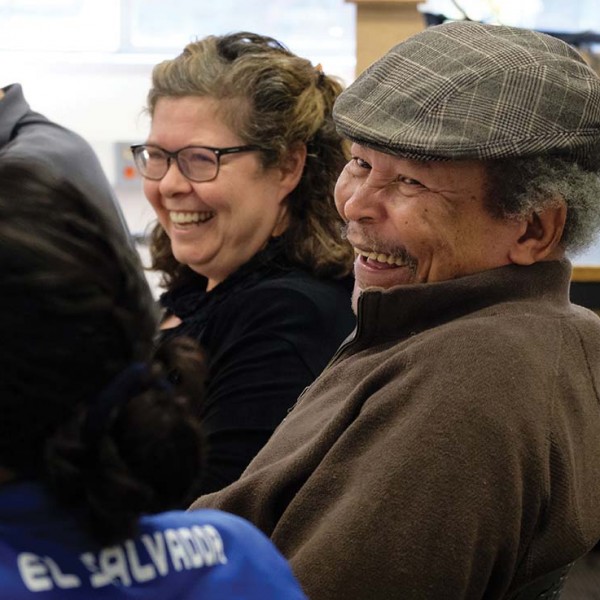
(86, 64)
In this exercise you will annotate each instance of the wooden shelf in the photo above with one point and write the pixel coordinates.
(381, 24)
(586, 274)
(415, 2)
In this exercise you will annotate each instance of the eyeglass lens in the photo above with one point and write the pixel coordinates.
(198, 164)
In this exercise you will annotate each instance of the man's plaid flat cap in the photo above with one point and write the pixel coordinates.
(466, 90)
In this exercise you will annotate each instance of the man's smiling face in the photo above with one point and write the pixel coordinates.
(418, 222)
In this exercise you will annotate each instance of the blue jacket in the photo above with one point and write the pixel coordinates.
(206, 554)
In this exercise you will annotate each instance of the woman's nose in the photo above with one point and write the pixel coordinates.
(174, 182)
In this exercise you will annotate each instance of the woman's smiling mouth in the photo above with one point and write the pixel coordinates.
(187, 217)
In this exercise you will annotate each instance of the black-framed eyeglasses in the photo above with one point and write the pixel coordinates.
(197, 163)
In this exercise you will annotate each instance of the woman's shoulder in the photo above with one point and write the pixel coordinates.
(296, 298)
(301, 286)
(227, 525)
(213, 538)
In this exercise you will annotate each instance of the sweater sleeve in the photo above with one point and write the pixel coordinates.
(448, 476)
(265, 347)
(434, 507)
(430, 488)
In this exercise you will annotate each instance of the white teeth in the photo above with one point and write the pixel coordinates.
(190, 217)
(380, 257)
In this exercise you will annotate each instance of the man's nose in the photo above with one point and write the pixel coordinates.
(362, 204)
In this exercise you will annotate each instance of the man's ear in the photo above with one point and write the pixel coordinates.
(541, 235)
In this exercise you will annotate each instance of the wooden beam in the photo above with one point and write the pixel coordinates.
(587, 273)
(381, 24)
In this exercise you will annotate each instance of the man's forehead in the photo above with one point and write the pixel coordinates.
(474, 91)
(424, 166)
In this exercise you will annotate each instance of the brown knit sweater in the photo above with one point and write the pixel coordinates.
(451, 449)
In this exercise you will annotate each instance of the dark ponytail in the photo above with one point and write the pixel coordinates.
(145, 455)
(112, 431)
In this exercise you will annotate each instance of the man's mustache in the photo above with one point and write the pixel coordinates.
(369, 242)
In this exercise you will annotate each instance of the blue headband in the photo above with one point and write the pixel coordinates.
(132, 381)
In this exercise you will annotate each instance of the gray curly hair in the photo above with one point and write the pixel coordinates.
(519, 186)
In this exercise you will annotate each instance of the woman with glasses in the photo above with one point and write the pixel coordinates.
(240, 166)
(97, 436)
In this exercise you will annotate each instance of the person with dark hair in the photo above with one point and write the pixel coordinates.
(450, 449)
(240, 166)
(28, 135)
(99, 436)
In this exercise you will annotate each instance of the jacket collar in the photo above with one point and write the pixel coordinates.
(407, 309)
(13, 107)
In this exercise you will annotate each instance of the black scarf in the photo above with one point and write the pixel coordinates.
(194, 305)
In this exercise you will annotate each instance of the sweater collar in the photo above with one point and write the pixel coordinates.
(407, 309)
(13, 108)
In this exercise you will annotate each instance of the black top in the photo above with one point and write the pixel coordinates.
(268, 330)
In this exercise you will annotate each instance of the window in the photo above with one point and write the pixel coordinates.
(59, 25)
(544, 15)
(321, 30)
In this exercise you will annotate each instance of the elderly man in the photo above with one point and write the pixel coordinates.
(451, 448)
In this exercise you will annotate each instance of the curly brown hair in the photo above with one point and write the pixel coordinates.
(275, 100)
